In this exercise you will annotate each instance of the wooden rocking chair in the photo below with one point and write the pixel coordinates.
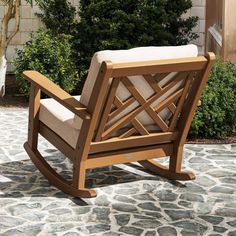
(136, 105)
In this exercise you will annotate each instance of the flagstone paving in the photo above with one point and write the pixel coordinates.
(130, 201)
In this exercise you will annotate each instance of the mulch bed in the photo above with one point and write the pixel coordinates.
(226, 140)
(13, 101)
(13, 97)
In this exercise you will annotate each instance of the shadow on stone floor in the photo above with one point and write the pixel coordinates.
(22, 179)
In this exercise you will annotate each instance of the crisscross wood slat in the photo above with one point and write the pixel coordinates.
(174, 118)
(110, 101)
(121, 106)
(142, 101)
(144, 105)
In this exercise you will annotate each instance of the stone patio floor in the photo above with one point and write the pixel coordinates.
(130, 201)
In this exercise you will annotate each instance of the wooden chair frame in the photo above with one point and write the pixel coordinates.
(99, 145)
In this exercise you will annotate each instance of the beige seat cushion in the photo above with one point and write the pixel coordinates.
(59, 119)
(135, 55)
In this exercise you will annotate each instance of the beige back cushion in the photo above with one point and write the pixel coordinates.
(134, 55)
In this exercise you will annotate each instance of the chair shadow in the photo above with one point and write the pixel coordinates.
(22, 179)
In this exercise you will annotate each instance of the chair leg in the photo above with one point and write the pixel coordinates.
(54, 178)
(79, 175)
(176, 159)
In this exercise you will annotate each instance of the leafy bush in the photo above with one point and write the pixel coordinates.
(117, 24)
(216, 117)
(59, 16)
(49, 55)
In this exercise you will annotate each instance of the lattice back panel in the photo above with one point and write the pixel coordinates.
(131, 110)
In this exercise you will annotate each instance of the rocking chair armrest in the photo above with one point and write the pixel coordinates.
(55, 92)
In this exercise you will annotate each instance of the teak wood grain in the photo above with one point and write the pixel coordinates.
(111, 132)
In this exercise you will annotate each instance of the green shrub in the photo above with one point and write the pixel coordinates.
(49, 55)
(216, 117)
(59, 16)
(118, 24)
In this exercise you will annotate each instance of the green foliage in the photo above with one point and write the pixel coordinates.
(118, 24)
(58, 16)
(38, 2)
(49, 55)
(216, 117)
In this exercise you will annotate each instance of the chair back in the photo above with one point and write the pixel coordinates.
(145, 102)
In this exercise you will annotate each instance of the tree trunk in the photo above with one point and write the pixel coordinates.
(3, 71)
(13, 11)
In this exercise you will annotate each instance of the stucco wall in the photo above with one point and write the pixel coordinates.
(30, 23)
(199, 9)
